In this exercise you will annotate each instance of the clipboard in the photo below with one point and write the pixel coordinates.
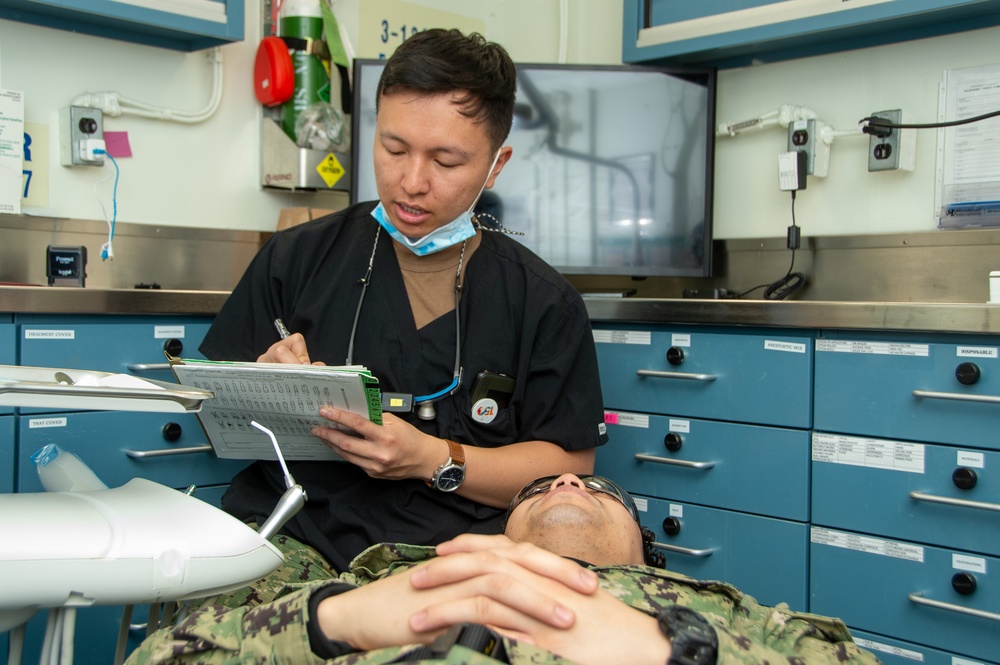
(285, 398)
(52, 387)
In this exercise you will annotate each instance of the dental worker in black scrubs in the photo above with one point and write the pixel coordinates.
(493, 344)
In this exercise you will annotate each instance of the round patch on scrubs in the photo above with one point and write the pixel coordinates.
(485, 410)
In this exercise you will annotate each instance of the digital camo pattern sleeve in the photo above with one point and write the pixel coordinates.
(749, 633)
(274, 632)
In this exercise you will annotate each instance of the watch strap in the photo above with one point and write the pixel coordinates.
(456, 456)
(456, 451)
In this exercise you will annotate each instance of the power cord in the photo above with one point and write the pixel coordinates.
(792, 281)
(107, 249)
(879, 126)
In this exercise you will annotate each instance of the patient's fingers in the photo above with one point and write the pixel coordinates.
(499, 600)
(529, 556)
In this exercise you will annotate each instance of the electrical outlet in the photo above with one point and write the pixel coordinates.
(895, 150)
(804, 136)
(81, 134)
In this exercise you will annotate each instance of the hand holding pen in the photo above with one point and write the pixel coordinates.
(289, 349)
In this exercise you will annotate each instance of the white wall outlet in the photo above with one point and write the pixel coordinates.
(81, 132)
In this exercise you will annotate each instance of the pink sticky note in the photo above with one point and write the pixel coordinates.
(610, 418)
(117, 145)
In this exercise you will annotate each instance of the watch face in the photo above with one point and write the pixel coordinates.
(450, 478)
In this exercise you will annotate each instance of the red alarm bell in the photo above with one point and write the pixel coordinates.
(274, 77)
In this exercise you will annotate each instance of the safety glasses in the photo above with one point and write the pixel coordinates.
(592, 483)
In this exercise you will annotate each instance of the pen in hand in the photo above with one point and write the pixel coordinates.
(282, 330)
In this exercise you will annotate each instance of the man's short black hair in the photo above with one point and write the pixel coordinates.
(440, 61)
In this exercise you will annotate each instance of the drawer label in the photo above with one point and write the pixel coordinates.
(873, 348)
(49, 334)
(676, 510)
(623, 337)
(626, 419)
(971, 459)
(859, 543)
(976, 352)
(37, 423)
(643, 337)
(680, 339)
(790, 347)
(973, 564)
(680, 426)
(889, 649)
(167, 332)
(641, 503)
(871, 453)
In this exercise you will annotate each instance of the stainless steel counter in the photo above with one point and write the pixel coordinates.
(62, 300)
(932, 317)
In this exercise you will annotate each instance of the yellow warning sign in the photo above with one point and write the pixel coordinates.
(330, 170)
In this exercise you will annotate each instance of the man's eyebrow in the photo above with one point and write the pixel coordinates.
(444, 149)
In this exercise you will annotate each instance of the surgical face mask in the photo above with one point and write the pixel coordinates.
(452, 233)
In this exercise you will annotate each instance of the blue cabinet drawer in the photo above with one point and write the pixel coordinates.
(888, 587)
(108, 344)
(897, 652)
(909, 388)
(911, 491)
(113, 444)
(8, 352)
(6, 455)
(706, 462)
(755, 378)
(763, 557)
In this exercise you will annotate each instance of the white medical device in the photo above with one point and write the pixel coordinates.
(135, 544)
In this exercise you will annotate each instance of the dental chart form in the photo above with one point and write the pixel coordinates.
(969, 155)
(284, 398)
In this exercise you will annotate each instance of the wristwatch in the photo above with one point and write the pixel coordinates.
(693, 641)
(450, 475)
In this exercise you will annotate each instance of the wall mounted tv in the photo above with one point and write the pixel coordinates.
(612, 168)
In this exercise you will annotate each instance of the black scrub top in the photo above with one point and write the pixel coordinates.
(518, 317)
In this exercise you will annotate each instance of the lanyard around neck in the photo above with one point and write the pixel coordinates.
(457, 374)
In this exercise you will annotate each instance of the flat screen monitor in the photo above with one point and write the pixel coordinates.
(612, 168)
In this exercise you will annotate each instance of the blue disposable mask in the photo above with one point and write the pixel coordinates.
(452, 233)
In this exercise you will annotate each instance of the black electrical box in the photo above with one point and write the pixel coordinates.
(66, 266)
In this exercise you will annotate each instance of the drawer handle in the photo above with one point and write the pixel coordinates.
(958, 397)
(684, 550)
(643, 457)
(919, 599)
(964, 503)
(147, 367)
(142, 454)
(659, 374)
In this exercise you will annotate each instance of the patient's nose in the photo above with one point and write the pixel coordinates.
(567, 479)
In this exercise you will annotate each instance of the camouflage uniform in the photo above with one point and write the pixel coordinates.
(275, 632)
